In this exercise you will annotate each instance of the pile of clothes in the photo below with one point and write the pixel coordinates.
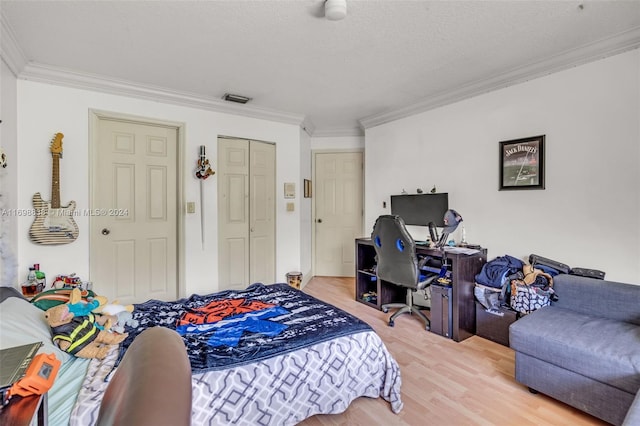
(508, 281)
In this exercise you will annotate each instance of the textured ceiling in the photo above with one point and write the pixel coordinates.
(384, 57)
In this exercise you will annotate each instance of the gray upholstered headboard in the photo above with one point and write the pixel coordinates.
(7, 292)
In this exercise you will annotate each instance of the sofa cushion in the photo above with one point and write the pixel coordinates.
(599, 348)
(601, 298)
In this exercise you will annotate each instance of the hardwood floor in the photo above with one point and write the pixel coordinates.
(443, 382)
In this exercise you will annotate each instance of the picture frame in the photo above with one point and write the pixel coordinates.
(307, 188)
(522, 163)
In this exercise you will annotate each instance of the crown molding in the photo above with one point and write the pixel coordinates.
(610, 46)
(10, 51)
(70, 78)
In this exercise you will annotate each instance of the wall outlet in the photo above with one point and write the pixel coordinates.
(191, 207)
(290, 207)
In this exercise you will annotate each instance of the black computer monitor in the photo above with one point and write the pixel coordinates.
(420, 209)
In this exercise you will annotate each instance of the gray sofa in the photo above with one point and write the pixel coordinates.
(584, 349)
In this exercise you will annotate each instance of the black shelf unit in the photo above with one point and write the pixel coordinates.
(366, 279)
(463, 269)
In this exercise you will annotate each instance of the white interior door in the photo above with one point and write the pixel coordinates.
(338, 212)
(262, 244)
(246, 219)
(133, 241)
(233, 213)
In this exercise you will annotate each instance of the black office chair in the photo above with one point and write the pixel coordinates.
(397, 263)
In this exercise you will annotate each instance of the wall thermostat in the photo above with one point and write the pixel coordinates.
(289, 190)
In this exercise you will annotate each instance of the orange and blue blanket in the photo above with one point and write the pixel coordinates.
(237, 327)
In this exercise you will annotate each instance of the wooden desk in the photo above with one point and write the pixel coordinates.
(463, 270)
(21, 410)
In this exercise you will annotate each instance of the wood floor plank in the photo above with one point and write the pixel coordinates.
(443, 382)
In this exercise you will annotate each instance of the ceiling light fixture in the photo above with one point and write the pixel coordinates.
(335, 10)
(235, 98)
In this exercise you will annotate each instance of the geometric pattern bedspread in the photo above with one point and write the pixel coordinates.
(282, 390)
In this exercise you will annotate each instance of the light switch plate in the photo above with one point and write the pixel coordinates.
(290, 207)
(191, 207)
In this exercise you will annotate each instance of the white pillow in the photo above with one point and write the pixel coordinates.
(22, 323)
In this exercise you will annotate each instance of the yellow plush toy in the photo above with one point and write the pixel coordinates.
(79, 335)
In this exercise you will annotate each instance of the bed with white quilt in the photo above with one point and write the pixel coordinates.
(266, 355)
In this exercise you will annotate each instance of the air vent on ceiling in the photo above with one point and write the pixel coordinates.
(236, 98)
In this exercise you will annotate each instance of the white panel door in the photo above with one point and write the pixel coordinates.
(133, 241)
(338, 212)
(246, 219)
(233, 213)
(262, 246)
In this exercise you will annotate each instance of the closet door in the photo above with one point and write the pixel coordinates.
(233, 213)
(246, 220)
(262, 245)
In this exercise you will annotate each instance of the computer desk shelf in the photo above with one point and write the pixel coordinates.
(463, 269)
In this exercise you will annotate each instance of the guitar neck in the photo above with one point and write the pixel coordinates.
(55, 182)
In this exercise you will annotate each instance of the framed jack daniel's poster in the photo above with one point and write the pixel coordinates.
(522, 163)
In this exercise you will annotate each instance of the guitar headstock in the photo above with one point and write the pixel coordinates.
(56, 144)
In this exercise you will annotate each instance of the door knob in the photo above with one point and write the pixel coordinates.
(105, 231)
(319, 221)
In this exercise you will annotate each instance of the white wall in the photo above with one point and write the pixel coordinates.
(8, 176)
(588, 214)
(305, 208)
(337, 143)
(46, 109)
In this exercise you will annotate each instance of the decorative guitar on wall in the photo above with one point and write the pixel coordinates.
(54, 224)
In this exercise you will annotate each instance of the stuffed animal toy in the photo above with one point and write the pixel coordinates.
(92, 303)
(80, 307)
(124, 318)
(78, 335)
(122, 315)
(113, 308)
